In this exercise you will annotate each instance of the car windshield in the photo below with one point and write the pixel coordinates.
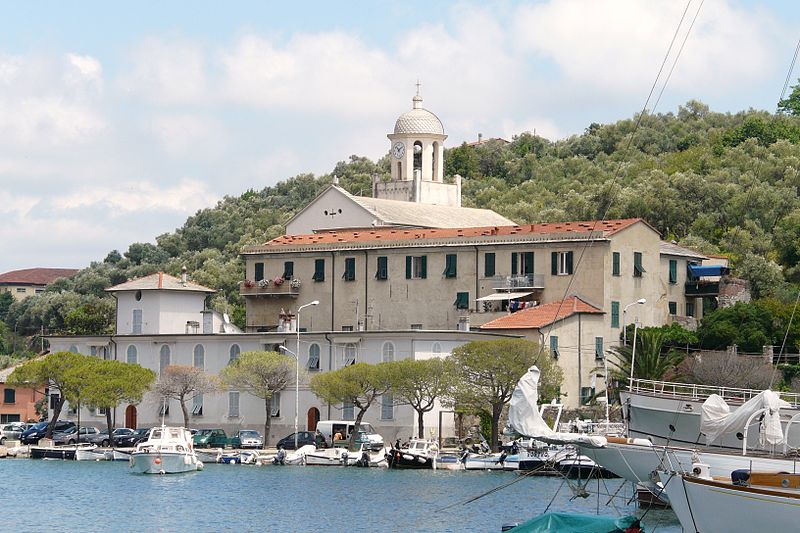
(40, 425)
(249, 434)
(142, 431)
(122, 431)
(205, 432)
(366, 428)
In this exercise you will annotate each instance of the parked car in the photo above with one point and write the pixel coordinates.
(33, 434)
(132, 439)
(101, 439)
(247, 438)
(303, 438)
(210, 438)
(73, 435)
(12, 431)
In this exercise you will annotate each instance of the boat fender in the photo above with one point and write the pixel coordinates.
(157, 460)
(701, 470)
(408, 457)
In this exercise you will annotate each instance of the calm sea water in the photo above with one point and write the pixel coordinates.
(103, 496)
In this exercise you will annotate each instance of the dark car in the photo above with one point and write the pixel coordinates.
(32, 435)
(101, 439)
(73, 435)
(303, 438)
(132, 439)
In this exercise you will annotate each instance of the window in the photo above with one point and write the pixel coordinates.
(689, 308)
(436, 349)
(673, 308)
(21, 289)
(383, 268)
(347, 411)
(347, 328)
(638, 269)
(388, 352)
(462, 300)
(387, 406)
(136, 329)
(8, 419)
(259, 273)
(74, 349)
(349, 269)
(163, 409)
(275, 405)
(9, 396)
(199, 356)
(39, 291)
(450, 266)
(233, 404)
(521, 263)
(319, 270)
(197, 405)
(488, 265)
(587, 393)
(416, 326)
(288, 270)
(614, 314)
(554, 346)
(416, 267)
(673, 271)
(561, 263)
(615, 264)
(350, 352)
(234, 353)
(54, 398)
(163, 359)
(313, 357)
(131, 355)
(598, 348)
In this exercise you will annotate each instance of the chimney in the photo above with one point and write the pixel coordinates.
(183, 275)
(480, 137)
(463, 323)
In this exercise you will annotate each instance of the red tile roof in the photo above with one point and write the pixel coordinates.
(607, 227)
(36, 276)
(542, 315)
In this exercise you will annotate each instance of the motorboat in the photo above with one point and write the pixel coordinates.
(59, 452)
(167, 450)
(120, 455)
(342, 457)
(486, 461)
(420, 453)
(95, 454)
(571, 522)
(578, 466)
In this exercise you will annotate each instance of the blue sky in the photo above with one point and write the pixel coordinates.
(120, 120)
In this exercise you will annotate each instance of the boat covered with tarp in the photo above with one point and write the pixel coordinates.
(579, 523)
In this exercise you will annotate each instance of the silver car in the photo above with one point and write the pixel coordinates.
(250, 438)
(12, 431)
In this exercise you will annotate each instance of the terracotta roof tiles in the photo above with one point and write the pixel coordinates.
(36, 276)
(543, 315)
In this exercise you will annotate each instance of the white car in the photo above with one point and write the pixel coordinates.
(250, 438)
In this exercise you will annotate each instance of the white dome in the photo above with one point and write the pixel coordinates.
(418, 121)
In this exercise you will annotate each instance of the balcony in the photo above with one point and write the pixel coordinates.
(520, 281)
(702, 288)
(266, 288)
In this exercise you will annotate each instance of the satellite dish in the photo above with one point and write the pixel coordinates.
(226, 318)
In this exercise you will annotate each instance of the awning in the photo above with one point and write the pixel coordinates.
(346, 340)
(699, 271)
(502, 296)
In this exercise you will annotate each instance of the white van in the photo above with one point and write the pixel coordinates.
(329, 428)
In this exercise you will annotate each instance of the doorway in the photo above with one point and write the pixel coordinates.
(130, 417)
(313, 418)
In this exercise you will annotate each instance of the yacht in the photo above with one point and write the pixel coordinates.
(167, 450)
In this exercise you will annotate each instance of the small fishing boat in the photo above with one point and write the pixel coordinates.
(420, 454)
(167, 450)
(570, 522)
(486, 461)
(59, 452)
(93, 454)
(120, 455)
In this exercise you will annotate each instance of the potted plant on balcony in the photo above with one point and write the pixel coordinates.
(263, 284)
(278, 280)
(249, 284)
(295, 284)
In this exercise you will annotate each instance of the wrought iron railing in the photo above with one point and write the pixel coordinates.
(520, 281)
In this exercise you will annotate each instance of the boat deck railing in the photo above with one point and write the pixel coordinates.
(692, 391)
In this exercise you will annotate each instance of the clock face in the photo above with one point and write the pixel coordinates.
(398, 150)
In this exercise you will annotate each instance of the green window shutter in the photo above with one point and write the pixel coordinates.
(598, 347)
(527, 268)
(615, 264)
(554, 346)
(450, 265)
(383, 268)
(673, 271)
(408, 266)
(689, 309)
(462, 300)
(614, 314)
(638, 269)
(513, 263)
(569, 262)
(554, 263)
(259, 271)
(423, 271)
(288, 270)
(349, 269)
(319, 270)
(673, 308)
(488, 265)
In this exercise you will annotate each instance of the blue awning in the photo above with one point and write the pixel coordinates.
(699, 271)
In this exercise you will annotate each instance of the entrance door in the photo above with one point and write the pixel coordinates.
(130, 417)
(313, 418)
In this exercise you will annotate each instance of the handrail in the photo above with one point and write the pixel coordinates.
(698, 392)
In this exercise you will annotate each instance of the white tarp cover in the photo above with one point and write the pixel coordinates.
(717, 419)
(502, 296)
(525, 419)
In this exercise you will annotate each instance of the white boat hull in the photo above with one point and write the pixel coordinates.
(163, 463)
(92, 455)
(490, 461)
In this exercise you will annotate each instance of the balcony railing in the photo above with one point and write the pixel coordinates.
(702, 288)
(691, 391)
(520, 281)
(256, 289)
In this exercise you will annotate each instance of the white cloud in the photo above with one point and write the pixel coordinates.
(16, 206)
(83, 69)
(183, 134)
(50, 121)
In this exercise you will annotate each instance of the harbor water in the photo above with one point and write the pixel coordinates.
(103, 496)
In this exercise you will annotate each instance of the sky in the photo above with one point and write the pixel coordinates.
(120, 120)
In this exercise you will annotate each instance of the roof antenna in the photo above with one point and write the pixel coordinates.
(418, 84)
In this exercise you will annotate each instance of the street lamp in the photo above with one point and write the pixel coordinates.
(640, 301)
(297, 367)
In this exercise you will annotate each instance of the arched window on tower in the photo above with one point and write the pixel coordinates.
(399, 170)
(435, 162)
(417, 156)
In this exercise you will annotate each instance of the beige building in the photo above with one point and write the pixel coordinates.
(31, 281)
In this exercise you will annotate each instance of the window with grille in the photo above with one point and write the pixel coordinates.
(233, 404)
(132, 355)
(350, 352)
(313, 357)
(199, 356)
(387, 406)
(136, 328)
(388, 352)
(234, 353)
(163, 358)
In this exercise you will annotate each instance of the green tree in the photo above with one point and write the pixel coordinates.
(110, 383)
(360, 384)
(65, 372)
(261, 374)
(651, 360)
(791, 104)
(183, 383)
(748, 325)
(486, 373)
(6, 299)
(419, 383)
(90, 319)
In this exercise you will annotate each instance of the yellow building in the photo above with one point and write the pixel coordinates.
(31, 281)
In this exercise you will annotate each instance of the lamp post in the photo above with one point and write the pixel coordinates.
(297, 368)
(640, 301)
(633, 354)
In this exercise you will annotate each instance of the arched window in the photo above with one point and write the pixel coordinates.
(163, 361)
(435, 162)
(313, 357)
(417, 156)
(350, 354)
(388, 352)
(199, 356)
(234, 353)
(74, 349)
(437, 348)
(132, 356)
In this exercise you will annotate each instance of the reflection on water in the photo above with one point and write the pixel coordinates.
(95, 496)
